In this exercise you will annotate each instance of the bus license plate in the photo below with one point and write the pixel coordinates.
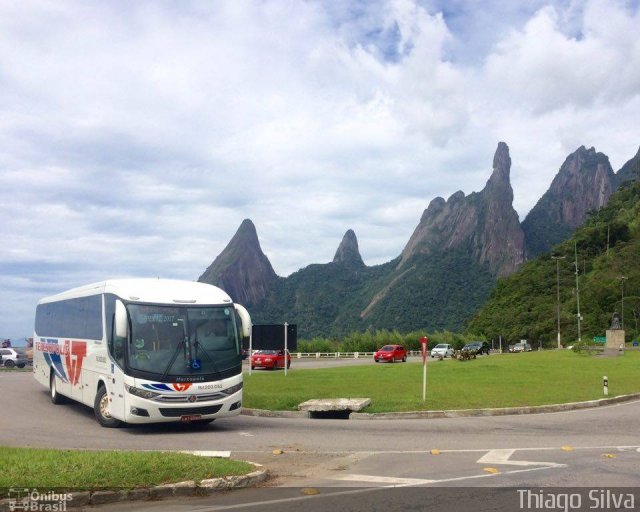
(190, 417)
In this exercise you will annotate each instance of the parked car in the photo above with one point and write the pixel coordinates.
(511, 348)
(522, 346)
(13, 357)
(270, 359)
(391, 354)
(442, 350)
(477, 347)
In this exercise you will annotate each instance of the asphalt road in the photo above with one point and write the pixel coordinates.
(356, 462)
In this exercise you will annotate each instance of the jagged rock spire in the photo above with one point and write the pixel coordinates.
(242, 269)
(348, 250)
(500, 181)
(485, 221)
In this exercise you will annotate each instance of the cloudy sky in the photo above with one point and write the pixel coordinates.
(136, 136)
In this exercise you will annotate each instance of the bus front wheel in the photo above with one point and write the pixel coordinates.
(101, 409)
(56, 398)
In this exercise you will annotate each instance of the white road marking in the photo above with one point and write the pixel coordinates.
(503, 457)
(444, 451)
(216, 508)
(415, 482)
(491, 475)
(390, 481)
(491, 457)
(205, 453)
(246, 434)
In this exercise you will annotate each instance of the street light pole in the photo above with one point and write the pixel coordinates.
(577, 291)
(558, 258)
(622, 278)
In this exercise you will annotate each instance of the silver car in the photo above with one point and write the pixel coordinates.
(13, 357)
(522, 347)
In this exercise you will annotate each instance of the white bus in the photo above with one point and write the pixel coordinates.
(143, 350)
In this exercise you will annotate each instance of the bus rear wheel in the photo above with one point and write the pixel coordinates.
(56, 398)
(101, 409)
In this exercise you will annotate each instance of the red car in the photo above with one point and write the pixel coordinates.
(391, 354)
(269, 359)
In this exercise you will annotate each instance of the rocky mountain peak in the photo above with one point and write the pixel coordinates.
(348, 252)
(584, 183)
(630, 171)
(242, 269)
(484, 221)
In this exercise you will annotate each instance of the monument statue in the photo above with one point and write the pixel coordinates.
(615, 322)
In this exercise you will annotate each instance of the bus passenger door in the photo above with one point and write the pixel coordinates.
(117, 346)
(115, 388)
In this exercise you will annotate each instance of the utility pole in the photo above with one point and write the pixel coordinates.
(575, 245)
(558, 258)
(622, 278)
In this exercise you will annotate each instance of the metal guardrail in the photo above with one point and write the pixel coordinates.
(361, 355)
(341, 355)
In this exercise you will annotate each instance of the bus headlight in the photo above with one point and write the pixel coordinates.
(233, 389)
(142, 393)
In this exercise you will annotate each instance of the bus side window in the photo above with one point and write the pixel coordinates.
(118, 349)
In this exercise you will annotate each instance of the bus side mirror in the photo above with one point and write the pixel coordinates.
(245, 318)
(121, 320)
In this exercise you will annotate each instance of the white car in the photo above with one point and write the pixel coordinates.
(442, 350)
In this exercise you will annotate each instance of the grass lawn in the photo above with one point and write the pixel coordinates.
(533, 378)
(78, 469)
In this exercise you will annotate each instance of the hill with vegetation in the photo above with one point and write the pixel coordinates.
(335, 299)
(607, 251)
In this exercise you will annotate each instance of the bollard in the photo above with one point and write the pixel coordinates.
(605, 381)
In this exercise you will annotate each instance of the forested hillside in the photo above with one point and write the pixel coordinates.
(331, 300)
(524, 305)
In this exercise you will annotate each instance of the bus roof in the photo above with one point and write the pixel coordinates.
(163, 291)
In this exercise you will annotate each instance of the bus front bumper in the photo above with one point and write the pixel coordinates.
(141, 410)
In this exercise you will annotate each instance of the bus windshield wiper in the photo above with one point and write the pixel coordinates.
(182, 344)
(197, 346)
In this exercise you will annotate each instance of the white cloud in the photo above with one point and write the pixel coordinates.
(542, 69)
(134, 138)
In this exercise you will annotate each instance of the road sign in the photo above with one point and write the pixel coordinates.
(599, 339)
(271, 337)
(424, 342)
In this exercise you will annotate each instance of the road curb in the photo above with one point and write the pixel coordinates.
(456, 413)
(186, 488)
(266, 413)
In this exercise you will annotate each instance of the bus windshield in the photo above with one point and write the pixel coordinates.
(183, 341)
